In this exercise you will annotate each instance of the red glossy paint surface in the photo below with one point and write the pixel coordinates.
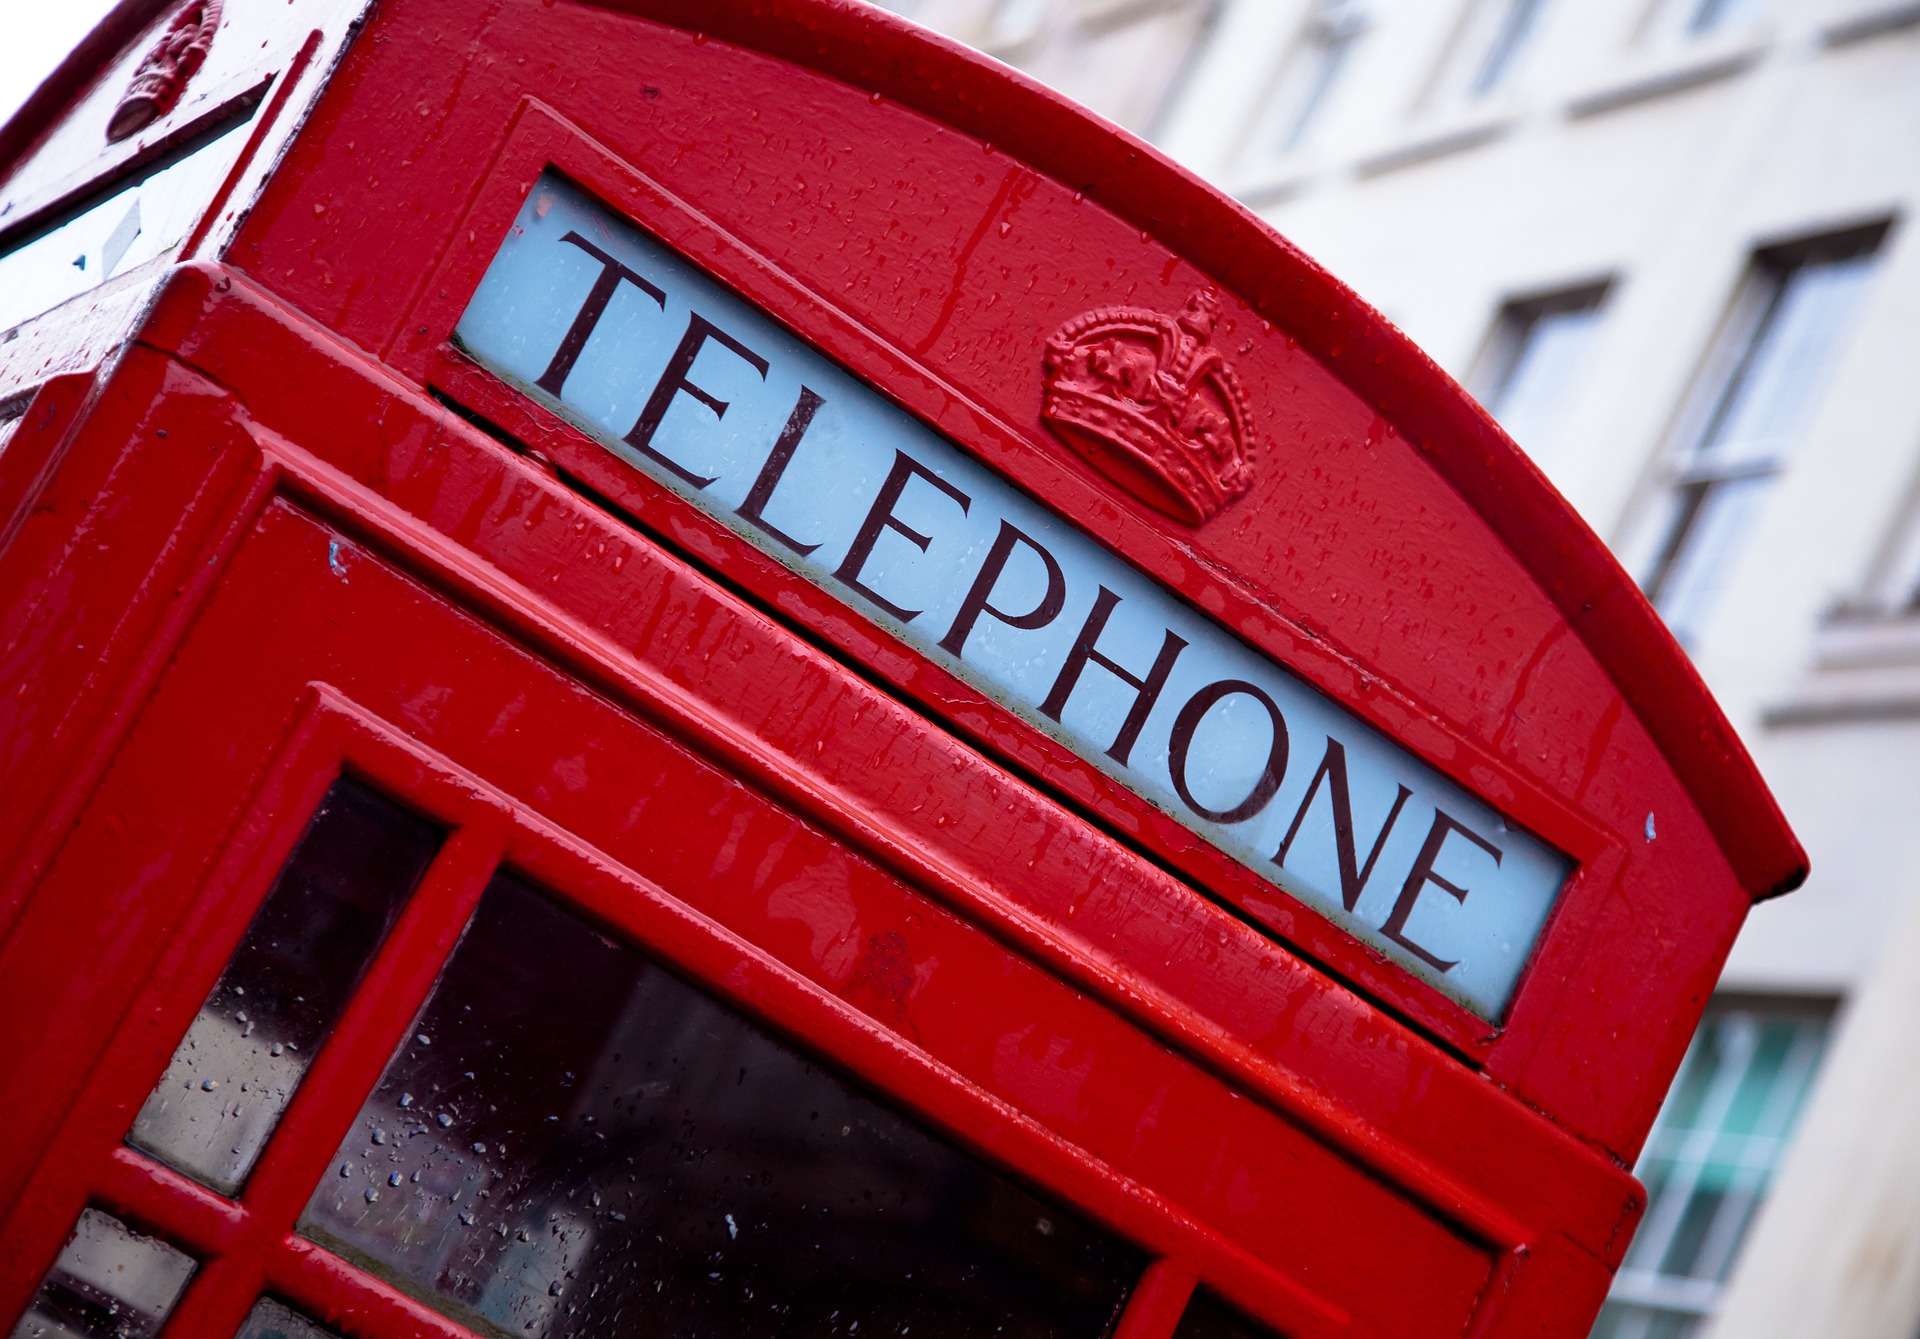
(258, 550)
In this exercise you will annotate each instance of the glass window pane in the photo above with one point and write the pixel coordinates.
(573, 1141)
(1709, 1161)
(1312, 73)
(274, 1320)
(1510, 36)
(1548, 348)
(1207, 1317)
(1773, 393)
(1618, 1321)
(145, 218)
(1709, 16)
(1717, 524)
(1779, 363)
(110, 1282)
(332, 904)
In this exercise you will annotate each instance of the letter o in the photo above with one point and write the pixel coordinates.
(1189, 720)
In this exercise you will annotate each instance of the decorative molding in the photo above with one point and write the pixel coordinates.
(1866, 668)
(1451, 136)
(1672, 76)
(1145, 399)
(1872, 21)
(163, 75)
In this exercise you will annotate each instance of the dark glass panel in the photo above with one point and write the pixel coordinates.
(108, 1283)
(275, 1320)
(573, 1141)
(1207, 1317)
(245, 1054)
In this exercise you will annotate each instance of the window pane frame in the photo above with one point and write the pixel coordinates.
(248, 1247)
(1689, 1137)
(1708, 459)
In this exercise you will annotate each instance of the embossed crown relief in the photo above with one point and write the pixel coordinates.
(1147, 401)
(162, 76)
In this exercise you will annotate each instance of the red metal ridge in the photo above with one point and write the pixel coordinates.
(884, 54)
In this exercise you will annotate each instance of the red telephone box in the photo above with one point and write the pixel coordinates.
(713, 669)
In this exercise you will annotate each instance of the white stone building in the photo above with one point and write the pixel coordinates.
(1670, 244)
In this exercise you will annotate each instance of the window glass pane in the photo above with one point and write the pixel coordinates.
(109, 1283)
(1709, 16)
(1618, 1321)
(1544, 348)
(148, 216)
(1709, 1161)
(237, 1068)
(1507, 42)
(273, 1320)
(1779, 362)
(1310, 75)
(1717, 519)
(573, 1141)
(1773, 393)
(1207, 1317)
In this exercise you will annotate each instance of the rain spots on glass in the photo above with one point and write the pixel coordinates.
(574, 1141)
(109, 1282)
(237, 1068)
(273, 1320)
(1207, 1317)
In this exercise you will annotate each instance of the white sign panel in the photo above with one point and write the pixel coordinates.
(685, 381)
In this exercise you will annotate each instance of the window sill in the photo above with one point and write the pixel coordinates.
(1665, 1292)
(1671, 74)
(1276, 181)
(1866, 668)
(1873, 20)
(1454, 135)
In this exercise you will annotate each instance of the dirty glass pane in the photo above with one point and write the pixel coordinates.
(151, 213)
(275, 1320)
(109, 1283)
(1207, 1317)
(302, 956)
(573, 1141)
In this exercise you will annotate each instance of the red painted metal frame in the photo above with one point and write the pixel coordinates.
(1525, 715)
(1398, 553)
(251, 1246)
(539, 139)
(1523, 1178)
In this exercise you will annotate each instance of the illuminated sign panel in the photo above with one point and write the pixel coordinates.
(683, 380)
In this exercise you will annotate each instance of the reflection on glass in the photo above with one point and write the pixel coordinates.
(272, 1320)
(573, 1141)
(144, 218)
(1207, 1317)
(237, 1068)
(109, 1283)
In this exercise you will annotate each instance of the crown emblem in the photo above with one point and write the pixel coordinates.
(1148, 402)
(163, 74)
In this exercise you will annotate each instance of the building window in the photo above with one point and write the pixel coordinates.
(1310, 76)
(1761, 387)
(1489, 49)
(1678, 21)
(1710, 1159)
(1534, 362)
(1016, 21)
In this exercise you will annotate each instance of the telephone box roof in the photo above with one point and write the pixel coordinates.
(875, 50)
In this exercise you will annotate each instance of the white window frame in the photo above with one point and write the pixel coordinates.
(1308, 81)
(1509, 339)
(1695, 470)
(1645, 1296)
